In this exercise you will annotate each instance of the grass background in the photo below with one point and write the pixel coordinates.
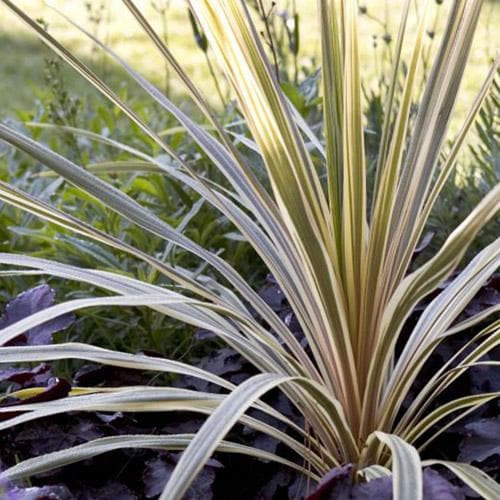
(22, 55)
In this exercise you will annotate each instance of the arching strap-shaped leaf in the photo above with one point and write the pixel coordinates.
(217, 426)
(75, 350)
(485, 341)
(473, 477)
(424, 280)
(170, 299)
(434, 321)
(467, 403)
(430, 129)
(294, 180)
(56, 459)
(240, 177)
(473, 320)
(448, 164)
(24, 201)
(248, 346)
(374, 472)
(162, 399)
(407, 479)
(441, 312)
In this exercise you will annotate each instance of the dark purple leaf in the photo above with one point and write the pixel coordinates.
(41, 493)
(488, 295)
(272, 294)
(90, 375)
(482, 441)
(222, 362)
(484, 378)
(158, 471)
(283, 484)
(183, 424)
(337, 483)
(56, 388)
(27, 377)
(27, 303)
(379, 488)
(436, 487)
(46, 437)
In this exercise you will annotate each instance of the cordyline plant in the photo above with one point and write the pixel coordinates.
(343, 266)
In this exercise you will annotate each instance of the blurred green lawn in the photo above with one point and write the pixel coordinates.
(22, 56)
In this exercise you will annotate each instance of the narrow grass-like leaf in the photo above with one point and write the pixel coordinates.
(407, 479)
(473, 477)
(99, 446)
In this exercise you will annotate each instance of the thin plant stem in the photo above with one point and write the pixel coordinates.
(265, 18)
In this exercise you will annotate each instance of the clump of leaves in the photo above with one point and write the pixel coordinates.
(343, 264)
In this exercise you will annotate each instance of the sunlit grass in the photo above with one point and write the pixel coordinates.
(21, 59)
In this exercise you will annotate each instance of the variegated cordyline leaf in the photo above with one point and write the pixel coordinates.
(124, 360)
(304, 291)
(168, 399)
(296, 187)
(340, 438)
(407, 479)
(226, 415)
(41, 209)
(354, 218)
(74, 350)
(332, 40)
(472, 476)
(433, 322)
(390, 103)
(474, 320)
(26, 202)
(114, 167)
(488, 339)
(467, 403)
(429, 133)
(199, 134)
(133, 211)
(260, 349)
(449, 163)
(263, 357)
(156, 399)
(154, 163)
(415, 287)
(376, 293)
(96, 447)
(102, 87)
(197, 95)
